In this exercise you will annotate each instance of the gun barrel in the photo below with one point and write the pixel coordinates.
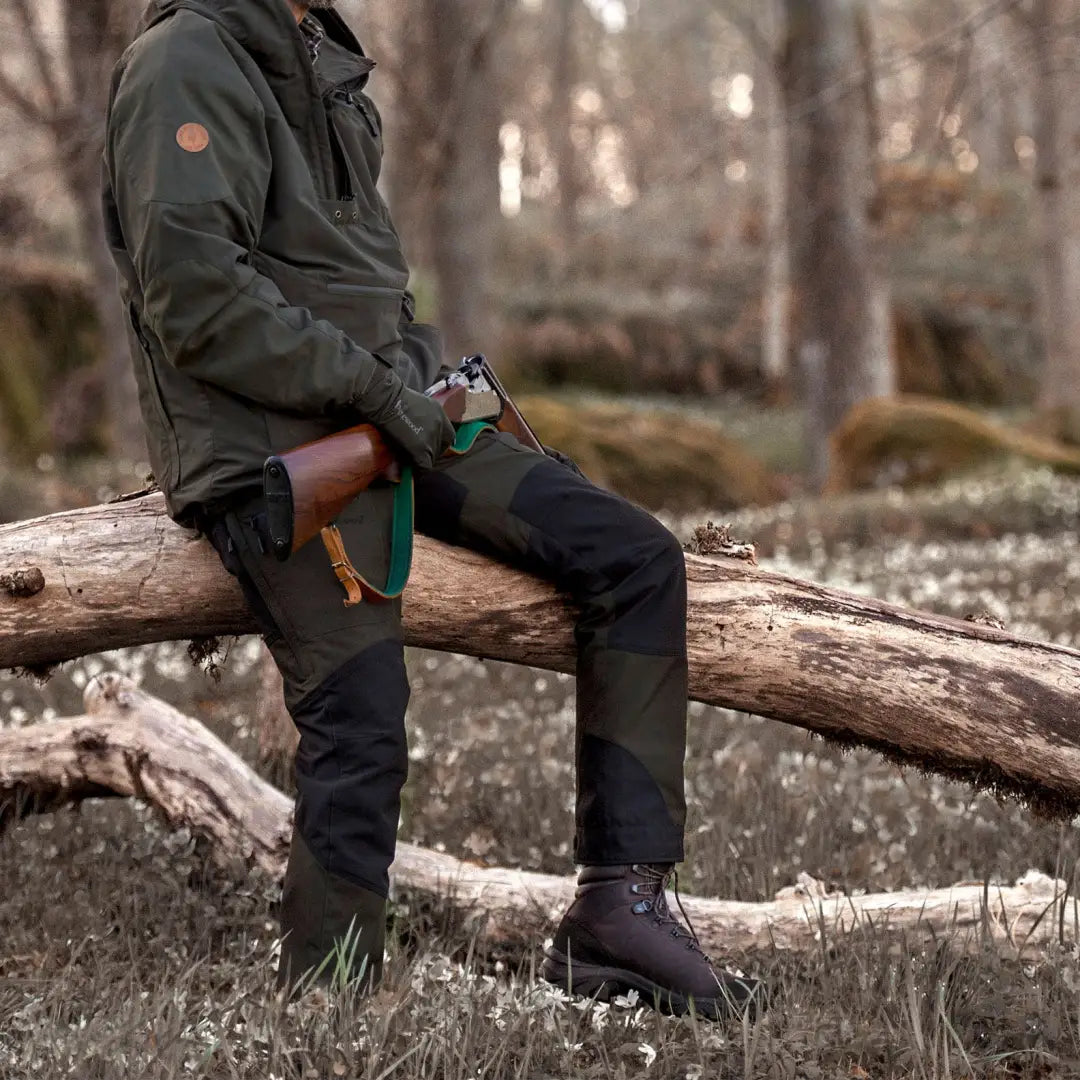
(511, 419)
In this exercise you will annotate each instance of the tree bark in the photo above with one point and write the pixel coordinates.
(836, 294)
(959, 698)
(130, 744)
(560, 125)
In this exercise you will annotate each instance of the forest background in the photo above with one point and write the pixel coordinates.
(818, 202)
(742, 258)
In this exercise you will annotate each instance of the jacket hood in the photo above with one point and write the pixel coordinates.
(267, 31)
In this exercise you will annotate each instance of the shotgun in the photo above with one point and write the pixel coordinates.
(476, 374)
(307, 487)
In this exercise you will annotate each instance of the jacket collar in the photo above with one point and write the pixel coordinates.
(267, 31)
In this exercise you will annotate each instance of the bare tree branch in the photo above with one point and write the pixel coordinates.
(961, 76)
(23, 103)
(751, 32)
(37, 48)
(131, 745)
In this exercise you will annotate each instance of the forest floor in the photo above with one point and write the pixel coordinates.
(125, 954)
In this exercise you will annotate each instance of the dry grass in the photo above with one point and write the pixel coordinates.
(123, 953)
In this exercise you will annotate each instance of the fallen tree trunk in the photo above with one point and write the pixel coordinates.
(959, 698)
(130, 744)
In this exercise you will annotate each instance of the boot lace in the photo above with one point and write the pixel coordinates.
(655, 887)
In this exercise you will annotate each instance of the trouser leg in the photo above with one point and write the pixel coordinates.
(346, 689)
(627, 576)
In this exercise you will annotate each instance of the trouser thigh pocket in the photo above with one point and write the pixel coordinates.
(305, 599)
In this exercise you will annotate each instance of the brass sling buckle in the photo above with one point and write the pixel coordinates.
(346, 573)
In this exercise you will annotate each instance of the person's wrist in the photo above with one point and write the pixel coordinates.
(379, 394)
(416, 426)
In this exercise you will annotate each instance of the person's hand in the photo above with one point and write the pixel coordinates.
(418, 427)
(415, 425)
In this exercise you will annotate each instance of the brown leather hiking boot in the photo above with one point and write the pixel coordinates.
(620, 935)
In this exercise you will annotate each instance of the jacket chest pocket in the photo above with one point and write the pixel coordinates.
(369, 314)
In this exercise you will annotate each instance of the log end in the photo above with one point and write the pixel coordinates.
(711, 539)
(108, 692)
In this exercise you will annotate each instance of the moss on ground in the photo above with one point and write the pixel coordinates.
(655, 457)
(911, 440)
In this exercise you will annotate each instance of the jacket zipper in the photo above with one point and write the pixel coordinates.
(156, 395)
(345, 95)
(363, 290)
(342, 176)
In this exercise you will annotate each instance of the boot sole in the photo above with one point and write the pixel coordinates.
(604, 983)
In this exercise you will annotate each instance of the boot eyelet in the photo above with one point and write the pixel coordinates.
(642, 906)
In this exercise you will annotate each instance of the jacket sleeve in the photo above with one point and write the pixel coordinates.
(189, 161)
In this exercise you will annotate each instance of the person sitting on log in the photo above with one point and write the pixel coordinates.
(265, 287)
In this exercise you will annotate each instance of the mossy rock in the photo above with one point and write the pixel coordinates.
(938, 355)
(912, 440)
(656, 458)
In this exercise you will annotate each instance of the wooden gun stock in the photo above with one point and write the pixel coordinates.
(309, 486)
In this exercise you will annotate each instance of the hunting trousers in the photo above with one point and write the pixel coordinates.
(347, 691)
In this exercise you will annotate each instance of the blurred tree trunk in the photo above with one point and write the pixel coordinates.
(835, 280)
(98, 31)
(1052, 24)
(995, 120)
(461, 59)
(409, 139)
(564, 78)
(776, 337)
(881, 348)
(381, 26)
(74, 87)
(275, 732)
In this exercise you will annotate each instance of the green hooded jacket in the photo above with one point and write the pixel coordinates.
(263, 279)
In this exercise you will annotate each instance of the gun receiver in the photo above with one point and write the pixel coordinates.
(478, 373)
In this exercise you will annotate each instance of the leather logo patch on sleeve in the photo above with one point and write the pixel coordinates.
(193, 137)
